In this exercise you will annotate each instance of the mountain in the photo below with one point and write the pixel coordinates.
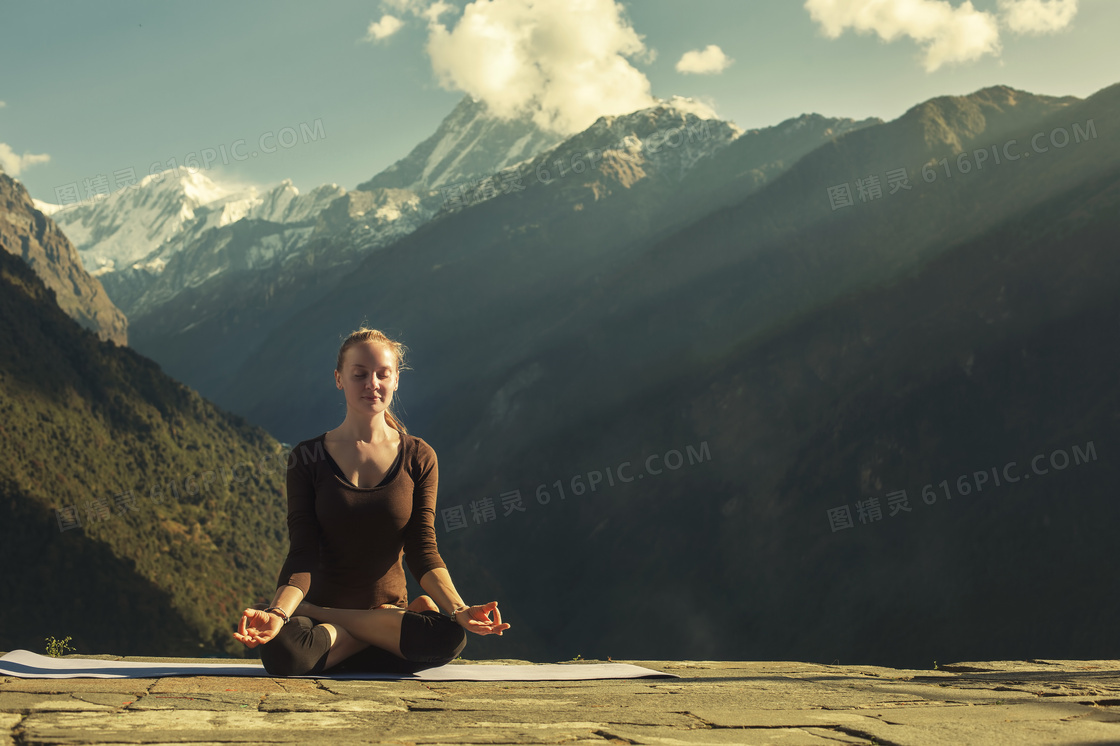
(925, 137)
(143, 225)
(26, 232)
(821, 358)
(560, 329)
(114, 231)
(624, 234)
(469, 142)
(284, 204)
(945, 389)
(210, 311)
(181, 254)
(197, 253)
(228, 286)
(146, 223)
(761, 329)
(138, 519)
(573, 212)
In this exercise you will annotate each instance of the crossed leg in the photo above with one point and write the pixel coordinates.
(352, 630)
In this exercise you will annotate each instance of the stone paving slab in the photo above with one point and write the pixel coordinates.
(8, 722)
(713, 702)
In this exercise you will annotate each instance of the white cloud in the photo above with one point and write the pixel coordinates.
(708, 61)
(947, 33)
(386, 27)
(1037, 16)
(434, 11)
(13, 163)
(562, 61)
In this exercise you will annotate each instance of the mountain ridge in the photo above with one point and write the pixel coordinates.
(152, 516)
(29, 234)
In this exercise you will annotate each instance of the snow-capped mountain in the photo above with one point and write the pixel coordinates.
(468, 143)
(661, 143)
(118, 230)
(284, 204)
(115, 230)
(142, 226)
(261, 250)
(669, 138)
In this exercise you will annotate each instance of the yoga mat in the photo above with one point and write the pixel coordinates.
(28, 665)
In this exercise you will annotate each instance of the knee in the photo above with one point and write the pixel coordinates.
(442, 654)
(281, 660)
(452, 642)
(294, 655)
(431, 637)
(459, 646)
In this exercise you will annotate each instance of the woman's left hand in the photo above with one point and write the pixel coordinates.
(477, 619)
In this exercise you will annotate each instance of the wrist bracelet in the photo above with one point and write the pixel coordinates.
(279, 612)
(457, 609)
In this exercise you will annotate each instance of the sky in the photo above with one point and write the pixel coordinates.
(95, 94)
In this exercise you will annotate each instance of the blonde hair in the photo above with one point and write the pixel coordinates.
(365, 334)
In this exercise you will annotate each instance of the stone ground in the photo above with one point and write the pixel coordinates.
(713, 702)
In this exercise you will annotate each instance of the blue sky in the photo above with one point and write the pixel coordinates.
(97, 88)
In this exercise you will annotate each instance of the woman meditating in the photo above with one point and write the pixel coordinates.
(359, 497)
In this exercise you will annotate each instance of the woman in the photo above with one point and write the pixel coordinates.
(359, 496)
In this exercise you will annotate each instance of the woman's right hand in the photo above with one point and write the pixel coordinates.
(258, 627)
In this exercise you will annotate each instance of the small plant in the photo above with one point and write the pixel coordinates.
(58, 648)
(578, 657)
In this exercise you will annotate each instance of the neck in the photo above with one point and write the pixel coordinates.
(373, 431)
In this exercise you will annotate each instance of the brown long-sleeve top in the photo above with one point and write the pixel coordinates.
(347, 542)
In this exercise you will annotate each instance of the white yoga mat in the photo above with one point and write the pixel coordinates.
(28, 665)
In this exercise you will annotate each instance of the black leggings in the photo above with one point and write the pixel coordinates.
(428, 639)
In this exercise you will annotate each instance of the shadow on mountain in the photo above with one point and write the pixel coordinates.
(138, 519)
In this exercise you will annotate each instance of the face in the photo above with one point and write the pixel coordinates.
(368, 370)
